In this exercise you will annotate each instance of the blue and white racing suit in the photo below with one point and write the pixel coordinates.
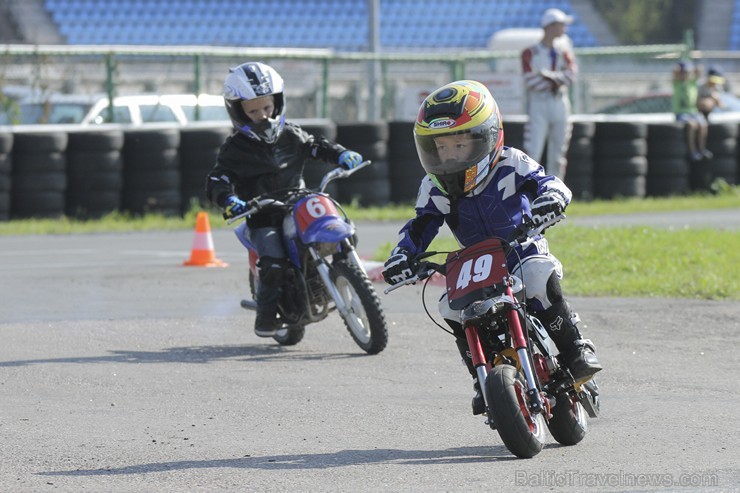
(494, 209)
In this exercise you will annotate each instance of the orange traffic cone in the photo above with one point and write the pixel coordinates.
(203, 254)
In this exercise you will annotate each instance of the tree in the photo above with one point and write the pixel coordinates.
(648, 22)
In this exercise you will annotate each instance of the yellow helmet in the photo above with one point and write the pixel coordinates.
(459, 136)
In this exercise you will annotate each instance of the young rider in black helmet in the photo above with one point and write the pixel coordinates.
(264, 153)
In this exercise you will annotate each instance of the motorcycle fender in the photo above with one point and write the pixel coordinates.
(327, 229)
(242, 233)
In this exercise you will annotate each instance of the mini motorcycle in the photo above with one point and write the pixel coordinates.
(325, 273)
(524, 383)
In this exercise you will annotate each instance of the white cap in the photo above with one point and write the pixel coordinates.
(555, 15)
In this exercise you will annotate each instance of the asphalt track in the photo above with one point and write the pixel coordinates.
(122, 370)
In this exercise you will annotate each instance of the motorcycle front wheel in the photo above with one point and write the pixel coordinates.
(522, 432)
(365, 320)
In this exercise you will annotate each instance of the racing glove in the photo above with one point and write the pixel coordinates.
(350, 159)
(547, 207)
(398, 267)
(233, 206)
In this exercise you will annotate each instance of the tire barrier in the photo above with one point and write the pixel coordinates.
(151, 173)
(404, 168)
(198, 150)
(94, 173)
(313, 170)
(514, 134)
(579, 174)
(50, 171)
(370, 186)
(6, 163)
(722, 141)
(39, 174)
(668, 166)
(620, 162)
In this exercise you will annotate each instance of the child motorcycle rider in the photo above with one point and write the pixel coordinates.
(481, 188)
(263, 154)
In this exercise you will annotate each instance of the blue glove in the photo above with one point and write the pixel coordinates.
(233, 206)
(349, 159)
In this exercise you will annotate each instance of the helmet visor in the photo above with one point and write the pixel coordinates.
(451, 153)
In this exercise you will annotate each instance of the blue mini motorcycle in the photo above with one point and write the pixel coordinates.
(325, 272)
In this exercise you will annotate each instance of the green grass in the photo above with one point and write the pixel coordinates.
(727, 199)
(624, 261)
(639, 261)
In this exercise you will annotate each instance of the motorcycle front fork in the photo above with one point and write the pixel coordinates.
(325, 272)
(482, 367)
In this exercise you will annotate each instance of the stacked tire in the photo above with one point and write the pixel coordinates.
(620, 159)
(722, 141)
(514, 134)
(369, 186)
(404, 168)
(39, 177)
(94, 173)
(199, 148)
(668, 168)
(579, 174)
(6, 166)
(313, 169)
(151, 173)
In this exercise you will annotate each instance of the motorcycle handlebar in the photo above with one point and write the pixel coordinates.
(332, 175)
(256, 205)
(341, 173)
(426, 269)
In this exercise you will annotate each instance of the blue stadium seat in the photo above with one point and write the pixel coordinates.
(338, 24)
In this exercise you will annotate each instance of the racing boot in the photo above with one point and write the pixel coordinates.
(268, 296)
(479, 404)
(578, 354)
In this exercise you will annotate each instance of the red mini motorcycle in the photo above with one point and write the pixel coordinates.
(526, 387)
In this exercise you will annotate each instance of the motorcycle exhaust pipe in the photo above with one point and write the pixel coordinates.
(249, 305)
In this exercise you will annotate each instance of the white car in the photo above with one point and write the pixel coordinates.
(132, 110)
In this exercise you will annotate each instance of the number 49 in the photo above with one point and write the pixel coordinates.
(475, 271)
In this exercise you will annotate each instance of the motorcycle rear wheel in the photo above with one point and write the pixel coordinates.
(290, 335)
(366, 321)
(522, 433)
(569, 421)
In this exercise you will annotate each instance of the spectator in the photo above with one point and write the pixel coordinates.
(685, 91)
(710, 92)
(549, 69)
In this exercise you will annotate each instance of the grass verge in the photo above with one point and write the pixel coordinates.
(640, 261)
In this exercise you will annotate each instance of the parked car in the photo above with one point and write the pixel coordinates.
(135, 110)
(661, 103)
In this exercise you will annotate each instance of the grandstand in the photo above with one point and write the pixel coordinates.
(338, 24)
(444, 28)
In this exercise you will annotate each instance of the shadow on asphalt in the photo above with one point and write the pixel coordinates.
(343, 458)
(194, 354)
